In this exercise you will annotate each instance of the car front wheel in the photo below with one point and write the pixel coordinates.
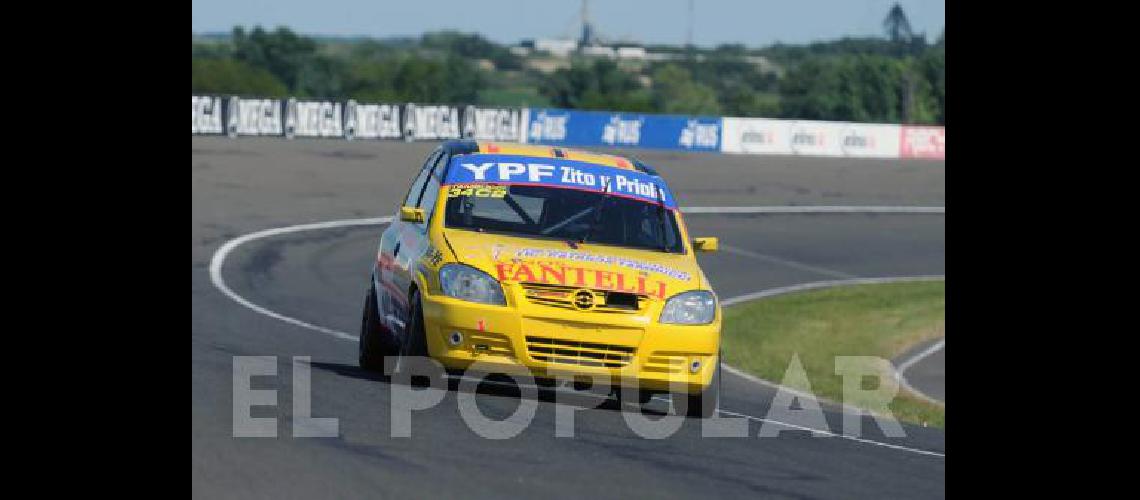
(373, 344)
(705, 403)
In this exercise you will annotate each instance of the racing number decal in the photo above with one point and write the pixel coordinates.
(477, 190)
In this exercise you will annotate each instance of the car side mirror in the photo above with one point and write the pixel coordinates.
(708, 244)
(412, 214)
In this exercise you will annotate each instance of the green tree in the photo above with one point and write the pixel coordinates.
(598, 85)
(674, 91)
(863, 88)
(932, 67)
(227, 76)
(282, 52)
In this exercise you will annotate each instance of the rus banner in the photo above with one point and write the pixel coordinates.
(599, 128)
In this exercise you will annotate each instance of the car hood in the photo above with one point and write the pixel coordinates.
(513, 259)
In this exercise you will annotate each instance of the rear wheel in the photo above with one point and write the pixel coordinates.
(373, 344)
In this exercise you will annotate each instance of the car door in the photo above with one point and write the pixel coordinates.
(401, 246)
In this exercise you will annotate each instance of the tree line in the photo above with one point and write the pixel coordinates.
(896, 79)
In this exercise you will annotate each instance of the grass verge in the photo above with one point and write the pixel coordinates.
(762, 336)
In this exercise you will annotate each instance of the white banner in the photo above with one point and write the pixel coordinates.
(206, 115)
(313, 119)
(815, 138)
(491, 124)
(253, 117)
(870, 140)
(371, 121)
(430, 122)
(756, 136)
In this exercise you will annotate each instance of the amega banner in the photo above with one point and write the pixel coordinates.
(923, 142)
(493, 124)
(206, 115)
(253, 117)
(371, 121)
(313, 119)
(430, 122)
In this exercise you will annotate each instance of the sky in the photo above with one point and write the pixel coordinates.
(754, 23)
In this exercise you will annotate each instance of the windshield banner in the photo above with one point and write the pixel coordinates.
(557, 172)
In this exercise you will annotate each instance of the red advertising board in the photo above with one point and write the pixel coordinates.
(923, 142)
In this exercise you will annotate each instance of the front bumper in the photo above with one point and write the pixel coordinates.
(630, 350)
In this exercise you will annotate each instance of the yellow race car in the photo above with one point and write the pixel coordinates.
(559, 263)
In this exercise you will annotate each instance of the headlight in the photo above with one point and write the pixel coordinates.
(470, 284)
(690, 308)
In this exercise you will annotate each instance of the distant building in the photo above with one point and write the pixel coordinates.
(560, 48)
(632, 53)
(599, 51)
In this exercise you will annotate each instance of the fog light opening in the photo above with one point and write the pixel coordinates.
(455, 338)
(695, 366)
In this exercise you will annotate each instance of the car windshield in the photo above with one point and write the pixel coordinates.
(561, 213)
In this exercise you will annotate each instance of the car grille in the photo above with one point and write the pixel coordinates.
(494, 344)
(665, 362)
(604, 301)
(573, 352)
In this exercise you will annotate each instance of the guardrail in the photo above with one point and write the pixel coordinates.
(290, 118)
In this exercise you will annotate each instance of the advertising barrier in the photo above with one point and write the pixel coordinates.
(561, 127)
(313, 119)
(371, 121)
(815, 138)
(426, 122)
(757, 136)
(923, 142)
(493, 124)
(870, 140)
(206, 115)
(253, 117)
(237, 116)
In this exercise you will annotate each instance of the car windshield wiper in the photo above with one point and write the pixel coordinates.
(598, 208)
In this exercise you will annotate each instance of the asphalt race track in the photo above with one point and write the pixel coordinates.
(250, 184)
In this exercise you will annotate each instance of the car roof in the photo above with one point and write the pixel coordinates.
(539, 151)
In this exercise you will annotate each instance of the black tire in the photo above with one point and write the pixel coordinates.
(705, 403)
(373, 344)
(417, 339)
(644, 397)
(415, 342)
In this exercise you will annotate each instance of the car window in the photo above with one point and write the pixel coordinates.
(418, 185)
(431, 189)
(552, 212)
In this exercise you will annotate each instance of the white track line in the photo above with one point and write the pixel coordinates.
(842, 436)
(900, 372)
(220, 254)
(219, 257)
